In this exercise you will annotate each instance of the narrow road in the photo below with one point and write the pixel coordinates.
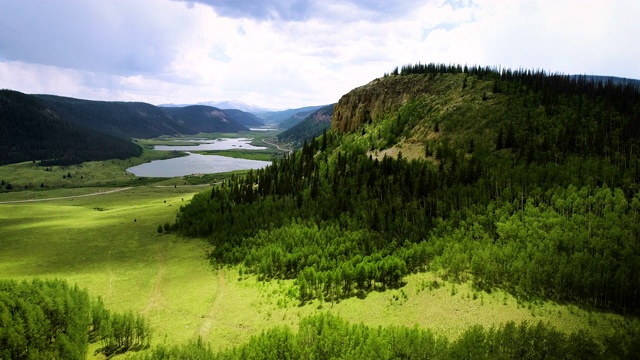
(181, 186)
(277, 146)
(66, 197)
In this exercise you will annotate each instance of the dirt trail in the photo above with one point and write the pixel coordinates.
(212, 317)
(66, 197)
(277, 146)
(156, 294)
(111, 276)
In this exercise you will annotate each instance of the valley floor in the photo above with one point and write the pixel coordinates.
(110, 245)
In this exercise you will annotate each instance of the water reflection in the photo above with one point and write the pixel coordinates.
(217, 144)
(200, 164)
(194, 164)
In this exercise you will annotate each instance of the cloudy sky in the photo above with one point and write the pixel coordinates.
(292, 53)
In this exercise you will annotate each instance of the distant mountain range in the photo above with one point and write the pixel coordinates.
(605, 79)
(229, 104)
(63, 130)
(291, 116)
(285, 119)
(142, 120)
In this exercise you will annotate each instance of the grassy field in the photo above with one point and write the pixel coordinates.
(109, 244)
(109, 173)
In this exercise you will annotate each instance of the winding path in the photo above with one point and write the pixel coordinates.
(212, 317)
(156, 298)
(277, 146)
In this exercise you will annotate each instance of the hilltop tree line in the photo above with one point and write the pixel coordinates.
(52, 320)
(588, 116)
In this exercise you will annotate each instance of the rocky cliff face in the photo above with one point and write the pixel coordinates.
(372, 101)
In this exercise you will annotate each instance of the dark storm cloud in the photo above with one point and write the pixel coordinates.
(86, 35)
(299, 10)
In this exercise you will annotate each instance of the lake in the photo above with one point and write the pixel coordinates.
(217, 144)
(197, 163)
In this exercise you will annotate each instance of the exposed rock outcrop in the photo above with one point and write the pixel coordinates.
(372, 101)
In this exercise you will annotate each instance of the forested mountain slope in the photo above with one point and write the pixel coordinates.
(295, 119)
(278, 117)
(61, 130)
(308, 129)
(32, 131)
(140, 120)
(200, 118)
(515, 180)
(242, 117)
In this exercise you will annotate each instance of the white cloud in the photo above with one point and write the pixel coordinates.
(302, 54)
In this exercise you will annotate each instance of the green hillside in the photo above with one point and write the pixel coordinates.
(295, 119)
(140, 120)
(200, 118)
(278, 117)
(308, 129)
(31, 131)
(449, 213)
(515, 180)
(243, 118)
(60, 131)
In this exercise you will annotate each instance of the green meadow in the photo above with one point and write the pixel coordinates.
(109, 244)
(111, 173)
(98, 229)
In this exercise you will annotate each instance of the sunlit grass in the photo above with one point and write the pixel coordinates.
(109, 244)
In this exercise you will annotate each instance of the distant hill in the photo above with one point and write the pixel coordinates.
(605, 79)
(236, 104)
(225, 105)
(243, 118)
(295, 119)
(200, 118)
(311, 127)
(277, 117)
(140, 120)
(31, 130)
(63, 130)
(252, 115)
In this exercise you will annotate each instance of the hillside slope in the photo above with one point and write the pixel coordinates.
(242, 117)
(32, 131)
(65, 130)
(295, 119)
(308, 129)
(200, 118)
(140, 120)
(277, 117)
(520, 181)
(538, 117)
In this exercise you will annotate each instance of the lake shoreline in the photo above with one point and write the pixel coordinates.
(198, 161)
